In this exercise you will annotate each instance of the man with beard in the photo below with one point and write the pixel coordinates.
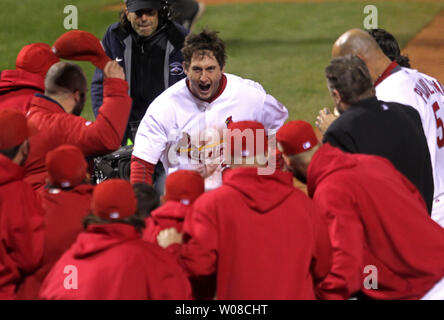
(57, 114)
(21, 216)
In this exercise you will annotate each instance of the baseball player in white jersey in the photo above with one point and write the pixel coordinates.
(406, 86)
(183, 127)
(426, 95)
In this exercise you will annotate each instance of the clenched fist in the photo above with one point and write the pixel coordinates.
(113, 70)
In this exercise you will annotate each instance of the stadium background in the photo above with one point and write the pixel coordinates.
(284, 45)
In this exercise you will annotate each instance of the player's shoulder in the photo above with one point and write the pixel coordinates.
(246, 83)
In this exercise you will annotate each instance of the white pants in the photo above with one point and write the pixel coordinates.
(436, 293)
(438, 210)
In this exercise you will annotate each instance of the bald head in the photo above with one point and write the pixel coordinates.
(359, 43)
(64, 78)
(355, 42)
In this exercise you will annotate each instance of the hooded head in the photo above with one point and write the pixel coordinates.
(36, 58)
(298, 142)
(66, 166)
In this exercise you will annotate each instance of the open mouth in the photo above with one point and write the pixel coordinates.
(204, 87)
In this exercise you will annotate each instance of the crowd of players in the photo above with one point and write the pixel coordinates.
(227, 222)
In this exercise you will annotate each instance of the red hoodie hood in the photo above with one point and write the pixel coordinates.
(98, 238)
(326, 160)
(19, 79)
(262, 193)
(170, 210)
(9, 171)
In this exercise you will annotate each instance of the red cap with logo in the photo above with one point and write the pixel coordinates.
(82, 46)
(66, 166)
(114, 199)
(184, 186)
(14, 128)
(296, 137)
(36, 58)
(247, 138)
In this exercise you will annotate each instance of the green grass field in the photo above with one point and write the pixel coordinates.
(284, 46)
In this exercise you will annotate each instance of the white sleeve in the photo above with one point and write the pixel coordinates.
(152, 136)
(274, 113)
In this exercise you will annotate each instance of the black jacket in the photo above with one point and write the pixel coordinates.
(390, 130)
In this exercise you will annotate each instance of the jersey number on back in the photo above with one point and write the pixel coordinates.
(439, 124)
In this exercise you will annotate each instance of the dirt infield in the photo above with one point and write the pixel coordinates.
(426, 49)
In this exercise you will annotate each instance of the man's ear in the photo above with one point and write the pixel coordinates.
(184, 66)
(336, 96)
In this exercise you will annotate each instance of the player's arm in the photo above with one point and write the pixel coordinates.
(274, 113)
(150, 142)
(322, 253)
(347, 238)
(199, 252)
(105, 134)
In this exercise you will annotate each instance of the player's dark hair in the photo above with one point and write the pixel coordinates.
(135, 220)
(350, 76)
(11, 152)
(389, 46)
(147, 199)
(65, 76)
(207, 40)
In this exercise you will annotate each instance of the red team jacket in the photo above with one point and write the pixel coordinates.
(57, 127)
(263, 242)
(17, 88)
(170, 215)
(21, 228)
(113, 262)
(376, 218)
(64, 213)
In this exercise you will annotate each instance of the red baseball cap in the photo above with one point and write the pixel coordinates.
(14, 128)
(184, 186)
(36, 58)
(296, 137)
(114, 199)
(81, 46)
(66, 166)
(249, 135)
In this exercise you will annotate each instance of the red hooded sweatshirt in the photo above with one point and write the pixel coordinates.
(376, 218)
(170, 215)
(58, 127)
(21, 228)
(260, 235)
(112, 262)
(64, 213)
(17, 87)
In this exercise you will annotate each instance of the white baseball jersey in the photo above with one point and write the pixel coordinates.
(185, 132)
(426, 95)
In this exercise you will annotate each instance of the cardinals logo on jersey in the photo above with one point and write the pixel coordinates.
(228, 121)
